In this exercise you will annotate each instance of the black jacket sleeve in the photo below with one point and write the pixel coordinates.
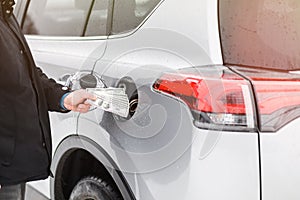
(53, 91)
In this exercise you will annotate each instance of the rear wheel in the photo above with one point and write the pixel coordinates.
(92, 188)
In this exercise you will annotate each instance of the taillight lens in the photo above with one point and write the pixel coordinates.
(277, 95)
(217, 97)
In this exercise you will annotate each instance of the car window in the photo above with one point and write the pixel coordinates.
(66, 18)
(261, 33)
(127, 15)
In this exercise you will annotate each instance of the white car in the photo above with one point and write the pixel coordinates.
(214, 93)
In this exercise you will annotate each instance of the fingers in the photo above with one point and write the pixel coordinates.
(83, 94)
(77, 101)
(83, 108)
(90, 96)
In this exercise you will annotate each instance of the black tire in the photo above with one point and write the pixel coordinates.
(92, 188)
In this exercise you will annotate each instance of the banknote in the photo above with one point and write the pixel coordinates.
(113, 100)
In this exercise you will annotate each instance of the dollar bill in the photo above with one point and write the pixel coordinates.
(113, 100)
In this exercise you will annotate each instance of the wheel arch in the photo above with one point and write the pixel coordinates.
(75, 143)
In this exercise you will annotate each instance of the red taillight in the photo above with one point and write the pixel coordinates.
(277, 95)
(217, 97)
(278, 102)
(220, 98)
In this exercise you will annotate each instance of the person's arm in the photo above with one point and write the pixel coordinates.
(61, 100)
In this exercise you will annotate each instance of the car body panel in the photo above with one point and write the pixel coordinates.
(50, 52)
(166, 157)
(196, 164)
(280, 163)
(160, 152)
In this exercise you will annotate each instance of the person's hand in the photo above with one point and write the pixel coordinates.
(77, 101)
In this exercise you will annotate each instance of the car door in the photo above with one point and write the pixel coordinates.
(66, 38)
